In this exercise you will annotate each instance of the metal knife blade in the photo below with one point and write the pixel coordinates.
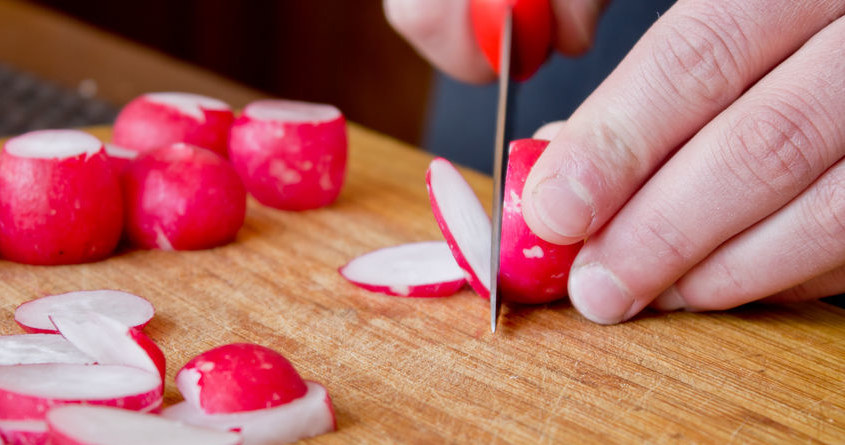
(500, 162)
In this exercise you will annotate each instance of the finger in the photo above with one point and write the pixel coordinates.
(751, 160)
(827, 285)
(698, 58)
(440, 31)
(548, 131)
(575, 24)
(804, 240)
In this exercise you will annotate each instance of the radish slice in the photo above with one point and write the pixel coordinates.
(30, 349)
(96, 425)
(305, 417)
(28, 391)
(23, 432)
(110, 342)
(131, 310)
(425, 269)
(463, 221)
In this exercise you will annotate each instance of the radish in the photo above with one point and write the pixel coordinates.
(425, 269)
(531, 270)
(97, 425)
(28, 391)
(182, 197)
(239, 377)
(24, 432)
(110, 342)
(60, 202)
(291, 155)
(307, 416)
(30, 349)
(131, 310)
(120, 157)
(463, 221)
(159, 119)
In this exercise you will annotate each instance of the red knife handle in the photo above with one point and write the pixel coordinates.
(532, 32)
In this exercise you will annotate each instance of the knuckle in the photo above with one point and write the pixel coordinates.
(826, 208)
(663, 240)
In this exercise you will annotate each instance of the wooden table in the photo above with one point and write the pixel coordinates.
(429, 371)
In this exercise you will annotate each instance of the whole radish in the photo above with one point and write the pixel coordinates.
(291, 155)
(60, 201)
(154, 120)
(182, 197)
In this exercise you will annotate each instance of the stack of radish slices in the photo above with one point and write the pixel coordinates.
(531, 270)
(98, 379)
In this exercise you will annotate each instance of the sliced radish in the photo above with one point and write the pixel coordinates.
(60, 203)
(291, 155)
(463, 221)
(159, 119)
(239, 377)
(182, 197)
(97, 425)
(28, 391)
(30, 349)
(131, 310)
(24, 432)
(307, 416)
(425, 269)
(110, 342)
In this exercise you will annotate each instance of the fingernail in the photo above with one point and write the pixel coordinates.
(669, 300)
(563, 205)
(598, 294)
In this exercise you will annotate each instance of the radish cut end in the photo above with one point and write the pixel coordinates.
(53, 144)
(130, 310)
(188, 103)
(117, 151)
(291, 111)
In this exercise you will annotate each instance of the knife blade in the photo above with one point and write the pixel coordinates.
(500, 162)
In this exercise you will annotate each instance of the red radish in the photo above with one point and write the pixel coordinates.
(110, 342)
(425, 269)
(307, 416)
(60, 202)
(182, 197)
(463, 221)
(28, 391)
(30, 349)
(24, 432)
(97, 425)
(131, 310)
(531, 269)
(158, 119)
(291, 155)
(120, 157)
(239, 377)
(532, 32)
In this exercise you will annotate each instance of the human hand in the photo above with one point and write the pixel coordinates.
(707, 170)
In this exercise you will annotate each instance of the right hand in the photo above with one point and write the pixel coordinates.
(441, 32)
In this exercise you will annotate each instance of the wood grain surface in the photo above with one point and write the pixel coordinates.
(429, 371)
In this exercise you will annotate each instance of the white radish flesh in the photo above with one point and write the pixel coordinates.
(28, 391)
(424, 269)
(131, 310)
(463, 221)
(24, 432)
(307, 416)
(30, 349)
(93, 425)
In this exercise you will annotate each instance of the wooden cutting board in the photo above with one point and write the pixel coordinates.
(429, 371)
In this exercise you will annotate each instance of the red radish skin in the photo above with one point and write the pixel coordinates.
(156, 120)
(463, 222)
(27, 392)
(531, 270)
(182, 197)
(31, 349)
(24, 432)
(110, 342)
(96, 425)
(239, 377)
(305, 417)
(532, 32)
(424, 269)
(291, 155)
(60, 202)
(129, 309)
(120, 157)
